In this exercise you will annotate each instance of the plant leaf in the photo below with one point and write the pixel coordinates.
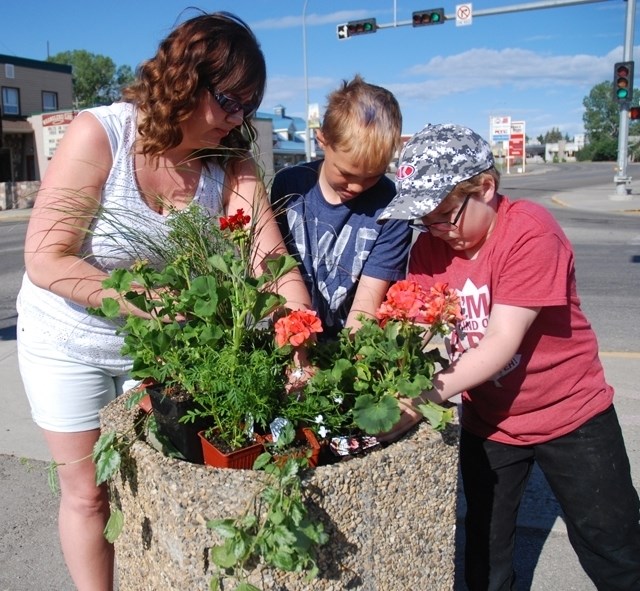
(107, 464)
(110, 307)
(438, 416)
(114, 525)
(223, 556)
(376, 417)
(223, 527)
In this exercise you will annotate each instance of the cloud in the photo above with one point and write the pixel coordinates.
(287, 90)
(312, 19)
(520, 69)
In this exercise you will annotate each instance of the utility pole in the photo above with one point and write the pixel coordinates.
(307, 130)
(621, 179)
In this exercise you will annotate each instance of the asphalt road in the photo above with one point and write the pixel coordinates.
(607, 247)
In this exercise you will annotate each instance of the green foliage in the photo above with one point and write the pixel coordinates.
(278, 530)
(602, 113)
(603, 149)
(551, 137)
(96, 81)
(360, 378)
(206, 332)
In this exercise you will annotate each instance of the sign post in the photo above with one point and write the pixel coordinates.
(517, 142)
(500, 132)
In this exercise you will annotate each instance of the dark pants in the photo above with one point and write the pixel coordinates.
(587, 470)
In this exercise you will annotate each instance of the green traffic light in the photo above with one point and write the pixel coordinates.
(433, 16)
(622, 93)
(367, 27)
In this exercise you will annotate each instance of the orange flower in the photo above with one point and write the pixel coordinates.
(445, 305)
(297, 327)
(405, 300)
(408, 301)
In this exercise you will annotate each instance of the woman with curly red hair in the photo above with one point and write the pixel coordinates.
(181, 137)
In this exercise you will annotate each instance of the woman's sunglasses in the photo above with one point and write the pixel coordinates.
(231, 105)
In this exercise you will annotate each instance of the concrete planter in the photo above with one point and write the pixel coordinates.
(390, 516)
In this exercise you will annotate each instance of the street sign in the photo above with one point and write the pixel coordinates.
(500, 128)
(464, 15)
(53, 127)
(516, 140)
(517, 127)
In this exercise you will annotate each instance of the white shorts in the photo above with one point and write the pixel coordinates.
(66, 395)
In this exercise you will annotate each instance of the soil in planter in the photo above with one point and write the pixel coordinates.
(222, 445)
(304, 442)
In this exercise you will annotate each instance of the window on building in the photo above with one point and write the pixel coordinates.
(10, 101)
(49, 101)
(9, 71)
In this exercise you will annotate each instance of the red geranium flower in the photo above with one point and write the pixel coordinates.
(234, 222)
(297, 327)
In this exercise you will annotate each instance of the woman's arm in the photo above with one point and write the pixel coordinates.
(246, 191)
(66, 205)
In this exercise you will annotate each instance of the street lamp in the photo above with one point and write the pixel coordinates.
(307, 131)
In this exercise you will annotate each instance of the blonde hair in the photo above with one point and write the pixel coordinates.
(472, 185)
(365, 121)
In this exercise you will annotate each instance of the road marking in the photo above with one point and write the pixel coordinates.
(621, 354)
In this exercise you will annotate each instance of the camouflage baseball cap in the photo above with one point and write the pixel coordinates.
(432, 163)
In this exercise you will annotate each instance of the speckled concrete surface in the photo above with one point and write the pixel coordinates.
(390, 516)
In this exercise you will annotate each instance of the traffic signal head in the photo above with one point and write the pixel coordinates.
(367, 25)
(634, 113)
(623, 82)
(433, 16)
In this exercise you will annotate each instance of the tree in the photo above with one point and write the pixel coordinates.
(552, 137)
(96, 81)
(602, 123)
(601, 113)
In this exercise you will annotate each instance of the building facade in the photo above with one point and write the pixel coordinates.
(27, 87)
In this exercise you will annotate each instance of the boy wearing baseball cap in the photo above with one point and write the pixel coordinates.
(525, 359)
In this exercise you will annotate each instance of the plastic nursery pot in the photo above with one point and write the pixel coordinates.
(242, 458)
(184, 436)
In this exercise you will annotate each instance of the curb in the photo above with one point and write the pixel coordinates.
(562, 203)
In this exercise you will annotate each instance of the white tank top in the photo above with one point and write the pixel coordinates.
(113, 241)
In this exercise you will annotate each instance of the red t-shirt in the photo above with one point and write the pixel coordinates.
(555, 382)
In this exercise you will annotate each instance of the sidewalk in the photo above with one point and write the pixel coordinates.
(30, 557)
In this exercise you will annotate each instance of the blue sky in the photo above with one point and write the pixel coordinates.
(535, 66)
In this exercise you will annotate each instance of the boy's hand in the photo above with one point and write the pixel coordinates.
(410, 416)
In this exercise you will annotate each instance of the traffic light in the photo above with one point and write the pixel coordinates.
(433, 16)
(634, 113)
(623, 82)
(367, 25)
